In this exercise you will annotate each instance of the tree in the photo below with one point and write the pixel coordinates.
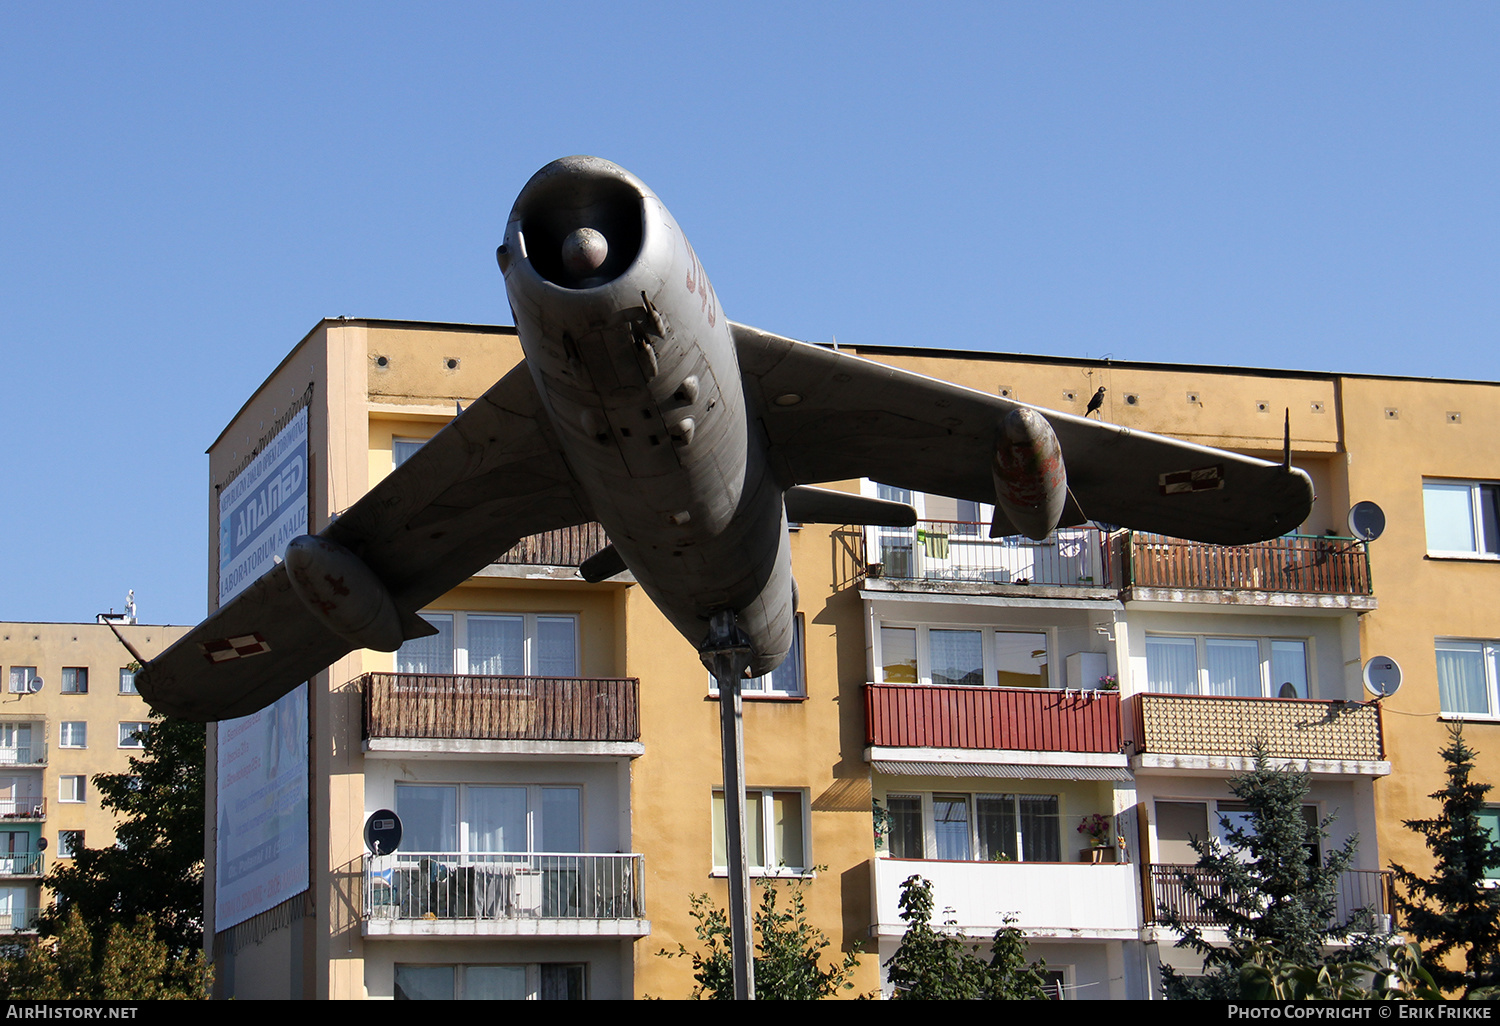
(936, 965)
(130, 964)
(787, 955)
(1267, 887)
(1453, 911)
(155, 871)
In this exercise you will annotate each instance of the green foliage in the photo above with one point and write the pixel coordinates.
(155, 871)
(787, 956)
(1266, 975)
(1264, 888)
(130, 964)
(1453, 911)
(935, 965)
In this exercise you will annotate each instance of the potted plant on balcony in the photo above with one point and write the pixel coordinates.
(1099, 831)
(1109, 682)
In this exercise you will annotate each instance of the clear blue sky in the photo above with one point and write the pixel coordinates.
(185, 189)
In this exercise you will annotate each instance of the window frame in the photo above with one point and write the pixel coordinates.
(21, 685)
(989, 640)
(776, 866)
(74, 681)
(127, 681)
(415, 443)
(1483, 547)
(68, 843)
(77, 730)
(463, 824)
(1489, 818)
(79, 788)
(1489, 653)
(929, 833)
(140, 727)
(460, 979)
(1312, 813)
(758, 687)
(1265, 657)
(530, 656)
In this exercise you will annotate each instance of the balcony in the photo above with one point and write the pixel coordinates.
(949, 555)
(1047, 899)
(1318, 571)
(23, 808)
(1021, 719)
(32, 754)
(448, 894)
(1358, 889)
(1186, 733)
(569, 546)
(411, 712)
(22, 863)
(19, 920)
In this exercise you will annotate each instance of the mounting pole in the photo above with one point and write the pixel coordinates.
(728, 650)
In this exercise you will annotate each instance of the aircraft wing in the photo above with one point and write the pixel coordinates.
(491, 477)
(830, 416)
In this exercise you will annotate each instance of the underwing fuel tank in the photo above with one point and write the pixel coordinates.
(343, 594)
(1031, 483)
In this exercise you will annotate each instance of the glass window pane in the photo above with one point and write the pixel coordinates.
(1040, 840)
(1172, 665)
(786, 824)
(906, 826)
(431, 654)
(1489, 818)
(497, 645)
(786, 679)
(562, 982)
(754, 831)
(1289, 666)
(950, 815)
(995, 816)
(1449, 510)
(495, 983)
(424, 983)
(1177, 825)
(429, 818)
(898, 655)
(957, 656)
(561, 827)
(1021, 659)
(497, 819)
(1233, 667)
(556, 647)
(403, 448)
(1489, 518)
(1461, 678)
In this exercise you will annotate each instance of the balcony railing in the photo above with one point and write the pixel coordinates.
(1023, 719)
(1303, 564)
(502, 886)
(25, 863)
(32, 754)
(963, 552)
(19, 920)
(1357, 889)
(419, 705)
(23, 808)
(1289, 728)
(569, 546)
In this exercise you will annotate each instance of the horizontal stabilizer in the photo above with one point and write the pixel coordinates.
(806, 505)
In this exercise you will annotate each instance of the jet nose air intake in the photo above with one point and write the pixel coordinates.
(583, 221)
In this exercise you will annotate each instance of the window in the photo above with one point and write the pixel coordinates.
(70, 788)
(789, 679)
(1243, 667)
(1468, 673)
(505, 644)
(75, 680)
(976, 827)
(21, 678)
(967, 656)
(1463, 518)
(15, 744)
(1489, 818)
(403, 448)
(775, 831)
(69, 843)
(1178, 824)
(460, 818)
(73, 734)
(133, 733)
(127, 681)
(543, 981)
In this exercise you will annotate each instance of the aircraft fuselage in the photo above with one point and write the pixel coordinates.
(635, 365)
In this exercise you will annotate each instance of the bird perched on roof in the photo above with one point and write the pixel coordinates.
(1095, 403)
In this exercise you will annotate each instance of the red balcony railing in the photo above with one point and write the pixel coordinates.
(1021, 719)
(420, 705)
(1300, 563)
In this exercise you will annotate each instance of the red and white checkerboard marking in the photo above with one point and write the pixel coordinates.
(240, 647)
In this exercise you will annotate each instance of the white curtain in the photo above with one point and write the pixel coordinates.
(1172, 665)
(1234, 667)
(1461, 680)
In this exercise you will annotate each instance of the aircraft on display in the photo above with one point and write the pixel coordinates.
(692, 440)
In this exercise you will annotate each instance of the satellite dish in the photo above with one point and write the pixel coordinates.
(34, 685)
(383, 832)
(41, 844)
(1382, 676)
(1366, 521)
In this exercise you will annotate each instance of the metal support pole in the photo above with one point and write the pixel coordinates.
(729, 651)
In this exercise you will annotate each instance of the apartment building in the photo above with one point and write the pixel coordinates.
(1035, 727)
(69, 710)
